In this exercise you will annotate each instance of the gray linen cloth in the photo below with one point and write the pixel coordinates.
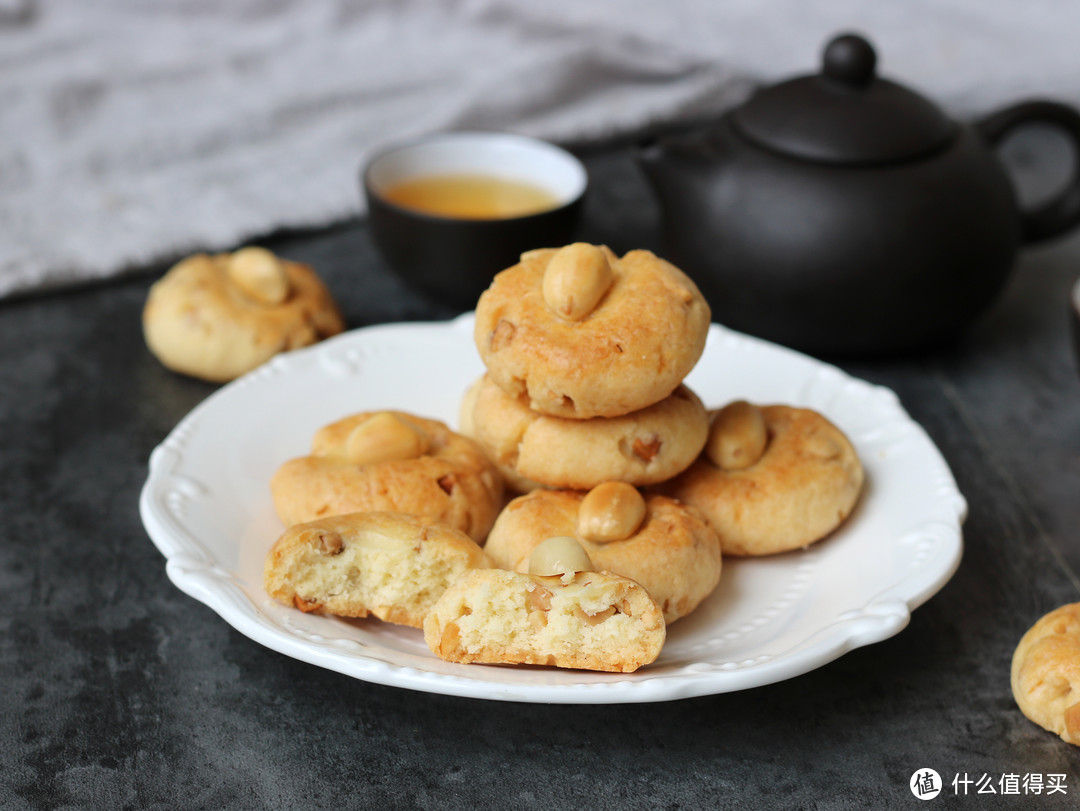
(133, 132)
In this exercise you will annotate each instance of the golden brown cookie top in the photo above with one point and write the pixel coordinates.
(384, 437)
(219, 316)
(534, 450)
(584, 342)
(1046, 672)
(772, 478)
(391, 461)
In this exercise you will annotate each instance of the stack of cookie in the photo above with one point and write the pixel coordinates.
(583, 402)
(585, 355)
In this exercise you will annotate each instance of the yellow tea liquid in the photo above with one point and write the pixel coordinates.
(471, 197)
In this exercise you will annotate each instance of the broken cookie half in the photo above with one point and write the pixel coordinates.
(388, 565)
(559, 614)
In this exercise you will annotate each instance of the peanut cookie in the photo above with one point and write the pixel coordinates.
(582, 333)
(534, 450)
(771, 479)
(217, 317)
(391, 461)
(1046, 673)
(665, 546)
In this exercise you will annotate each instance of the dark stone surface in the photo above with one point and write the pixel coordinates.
(119, 691)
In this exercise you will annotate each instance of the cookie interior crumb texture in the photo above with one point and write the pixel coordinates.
(589, 620)
(388, 566)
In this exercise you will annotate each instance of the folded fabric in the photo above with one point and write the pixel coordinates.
(134, 133)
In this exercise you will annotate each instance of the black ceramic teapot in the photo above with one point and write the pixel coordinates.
(841, 213)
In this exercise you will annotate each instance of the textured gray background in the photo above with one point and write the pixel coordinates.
(119, 691)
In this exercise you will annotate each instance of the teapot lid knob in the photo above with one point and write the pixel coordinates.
(844, 115)
(849, 59)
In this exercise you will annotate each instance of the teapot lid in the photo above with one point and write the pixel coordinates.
(846, 114)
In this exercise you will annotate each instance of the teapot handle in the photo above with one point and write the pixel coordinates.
(1062, 212)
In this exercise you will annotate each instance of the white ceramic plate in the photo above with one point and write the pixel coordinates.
(207, 507)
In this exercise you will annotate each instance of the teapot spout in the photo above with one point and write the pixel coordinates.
(674, 165)
(649, 154)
